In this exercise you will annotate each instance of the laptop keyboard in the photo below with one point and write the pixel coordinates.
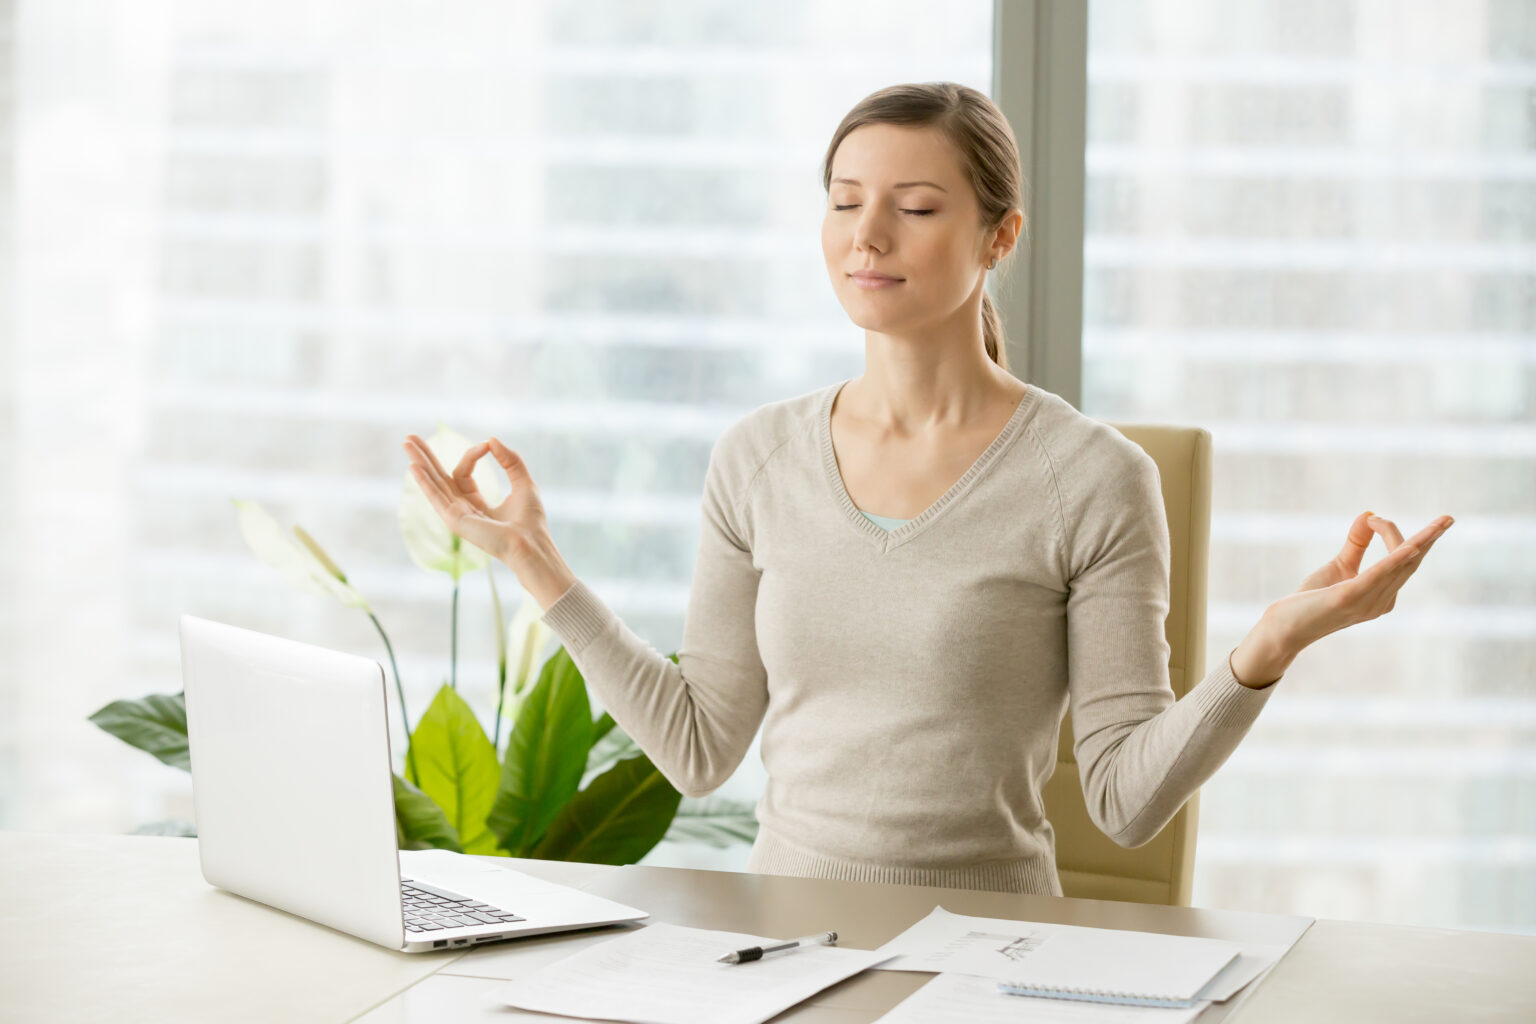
(428, 909)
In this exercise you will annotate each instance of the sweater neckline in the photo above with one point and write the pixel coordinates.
(885, 539)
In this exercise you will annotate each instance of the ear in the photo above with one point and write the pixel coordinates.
(1008, 231)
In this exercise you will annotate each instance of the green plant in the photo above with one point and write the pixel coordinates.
(567, 787)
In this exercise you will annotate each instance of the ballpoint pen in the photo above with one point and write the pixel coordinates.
(742, 956)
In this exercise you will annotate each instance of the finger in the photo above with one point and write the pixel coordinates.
(419, 453)
(1394, 562)
(429, 474)
(1380, 585)
(1356, 543)
(510, 461)
(1433, 531)
(428, 456)
(1401, 564)
(437, 496)
(1428, 537)
(1384, 594)
(463, 476)
(1390, 534)
(1423, 539)
(423, 458)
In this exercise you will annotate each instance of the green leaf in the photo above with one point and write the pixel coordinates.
(616, 820)
(546, 754)
(419, 823)
(600, 727)
(615, 746)
(456, 766)
(156, 724)
(714, 821)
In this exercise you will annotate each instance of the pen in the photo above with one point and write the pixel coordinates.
(742, 956)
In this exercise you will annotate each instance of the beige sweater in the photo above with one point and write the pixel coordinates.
(911, 683)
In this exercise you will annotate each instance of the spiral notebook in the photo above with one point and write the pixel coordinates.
(1063, 961)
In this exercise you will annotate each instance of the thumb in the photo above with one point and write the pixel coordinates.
(1356, 543)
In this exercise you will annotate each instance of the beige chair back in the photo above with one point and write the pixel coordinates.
(1090, 864)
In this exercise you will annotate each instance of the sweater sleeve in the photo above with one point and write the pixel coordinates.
(1140, 752)
(694, 718)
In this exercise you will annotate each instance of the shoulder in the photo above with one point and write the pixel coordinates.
(1107, 487)
(750, 442)
(1087, 455)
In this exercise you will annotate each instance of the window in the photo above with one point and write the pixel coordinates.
(1311, 229)
(258, 244)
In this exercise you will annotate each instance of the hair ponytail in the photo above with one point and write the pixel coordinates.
(992, 331)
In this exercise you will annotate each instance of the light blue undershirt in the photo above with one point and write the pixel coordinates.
(884, 522)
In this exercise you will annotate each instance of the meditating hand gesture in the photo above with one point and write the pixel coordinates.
(515, 532)
(1333, 597)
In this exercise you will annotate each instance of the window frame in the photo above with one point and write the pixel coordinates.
(1045, 100)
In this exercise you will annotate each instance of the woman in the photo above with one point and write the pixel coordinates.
(907, 578)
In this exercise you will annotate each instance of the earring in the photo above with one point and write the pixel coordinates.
(993, 263)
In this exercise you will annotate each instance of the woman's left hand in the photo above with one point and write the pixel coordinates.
(1339, 594)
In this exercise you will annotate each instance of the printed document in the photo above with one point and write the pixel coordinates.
(1058, 956)
(943, 941)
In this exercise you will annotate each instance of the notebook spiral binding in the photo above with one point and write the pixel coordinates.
(1093, 995)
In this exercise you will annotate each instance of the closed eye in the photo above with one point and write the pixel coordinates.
(920, 213)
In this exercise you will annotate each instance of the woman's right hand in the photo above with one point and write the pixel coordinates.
(508, 532)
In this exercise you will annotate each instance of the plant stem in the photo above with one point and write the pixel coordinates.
(453, 661)
(410, 755)
(501, 667)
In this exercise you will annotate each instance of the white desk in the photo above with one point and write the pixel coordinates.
(123, 928)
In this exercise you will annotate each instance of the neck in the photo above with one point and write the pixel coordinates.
(909, 391)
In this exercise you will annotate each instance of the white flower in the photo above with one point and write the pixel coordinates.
(527, 636)
(296, 556)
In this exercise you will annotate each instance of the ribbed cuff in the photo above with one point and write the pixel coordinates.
(1226, 703)
(577, 617)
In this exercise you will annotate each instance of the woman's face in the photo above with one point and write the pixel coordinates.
(929, 235)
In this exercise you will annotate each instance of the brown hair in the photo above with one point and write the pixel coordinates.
(989, 154)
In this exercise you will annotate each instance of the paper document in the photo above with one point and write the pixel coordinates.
(668, 974)
(1255, 961)
(1060, 956)
(967, 999)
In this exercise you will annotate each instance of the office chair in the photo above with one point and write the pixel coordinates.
(1089, 863)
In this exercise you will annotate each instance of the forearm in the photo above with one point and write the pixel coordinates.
(696, 728)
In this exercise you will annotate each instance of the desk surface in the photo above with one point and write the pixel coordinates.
(123, 928)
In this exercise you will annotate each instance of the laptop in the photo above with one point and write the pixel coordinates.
(294, 798)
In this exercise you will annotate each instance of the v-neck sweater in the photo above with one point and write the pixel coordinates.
(910, 683)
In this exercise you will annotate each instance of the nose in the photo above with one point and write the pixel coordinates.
(869, 232)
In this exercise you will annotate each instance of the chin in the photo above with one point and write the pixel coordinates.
(879, 324)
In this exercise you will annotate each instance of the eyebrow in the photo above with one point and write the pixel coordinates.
(899, 184)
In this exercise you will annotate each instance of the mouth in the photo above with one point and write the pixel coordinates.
(873, 281)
